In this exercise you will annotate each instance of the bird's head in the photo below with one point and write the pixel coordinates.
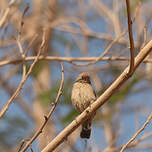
(83, 78)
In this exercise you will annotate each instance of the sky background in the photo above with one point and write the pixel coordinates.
(16, 124)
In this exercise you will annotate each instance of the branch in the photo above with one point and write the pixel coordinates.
(98, 103)
(137, 133)
(131, 145)
(68, 59)
(24, 78)
(130, 38)
(104, 53)
(20, 101)
(39, 131)
(6, 13)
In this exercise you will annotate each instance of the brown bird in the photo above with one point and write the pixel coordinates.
(83, 95)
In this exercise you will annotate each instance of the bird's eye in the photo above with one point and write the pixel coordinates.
(84, 78)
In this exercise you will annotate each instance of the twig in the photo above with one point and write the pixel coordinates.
(131, 145)
(22, 22)
(137, 133)
(106, 12)
(140, 139)
(16, 93)
(145, 36)
(39, 131)
(104, 53)
(63, 25)
(21, 145)
(98, 103)
(20, 101)
(4, 17)
(130, 38)
(31, 149)
(19, 42)
(23, 56)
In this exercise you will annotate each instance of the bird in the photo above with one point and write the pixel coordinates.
(82, 96)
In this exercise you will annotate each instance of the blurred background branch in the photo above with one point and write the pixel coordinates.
(86, 36)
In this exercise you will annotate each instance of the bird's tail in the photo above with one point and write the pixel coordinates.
(86, 129)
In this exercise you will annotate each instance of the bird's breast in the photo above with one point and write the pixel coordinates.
(82, 96)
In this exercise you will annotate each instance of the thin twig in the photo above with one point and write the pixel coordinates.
(23, 56)
(130, 38)
(137, 133)
(31, 148)
(20, 101)
(131, 145)
(145, 37)
(46, 118)
(107, 12)
(22, 21)
(19, 40)
(21, 145)
(16, 93)
(140, 139)
(6, 13)
(104, 53)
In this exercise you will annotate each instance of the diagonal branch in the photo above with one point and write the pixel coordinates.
(24, 78)
(137, 133)
(104, 53)
(99, 102)
(6, 13)
(49, 114)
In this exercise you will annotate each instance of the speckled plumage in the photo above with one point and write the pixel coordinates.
(82, 96)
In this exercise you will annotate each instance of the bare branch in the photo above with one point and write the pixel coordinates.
(16, 93)
(98, 103)
(130, 38)
(39, 131)
(69, 59)
(104, 53)
(131, 145)
(137, 133)
(4, 17)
